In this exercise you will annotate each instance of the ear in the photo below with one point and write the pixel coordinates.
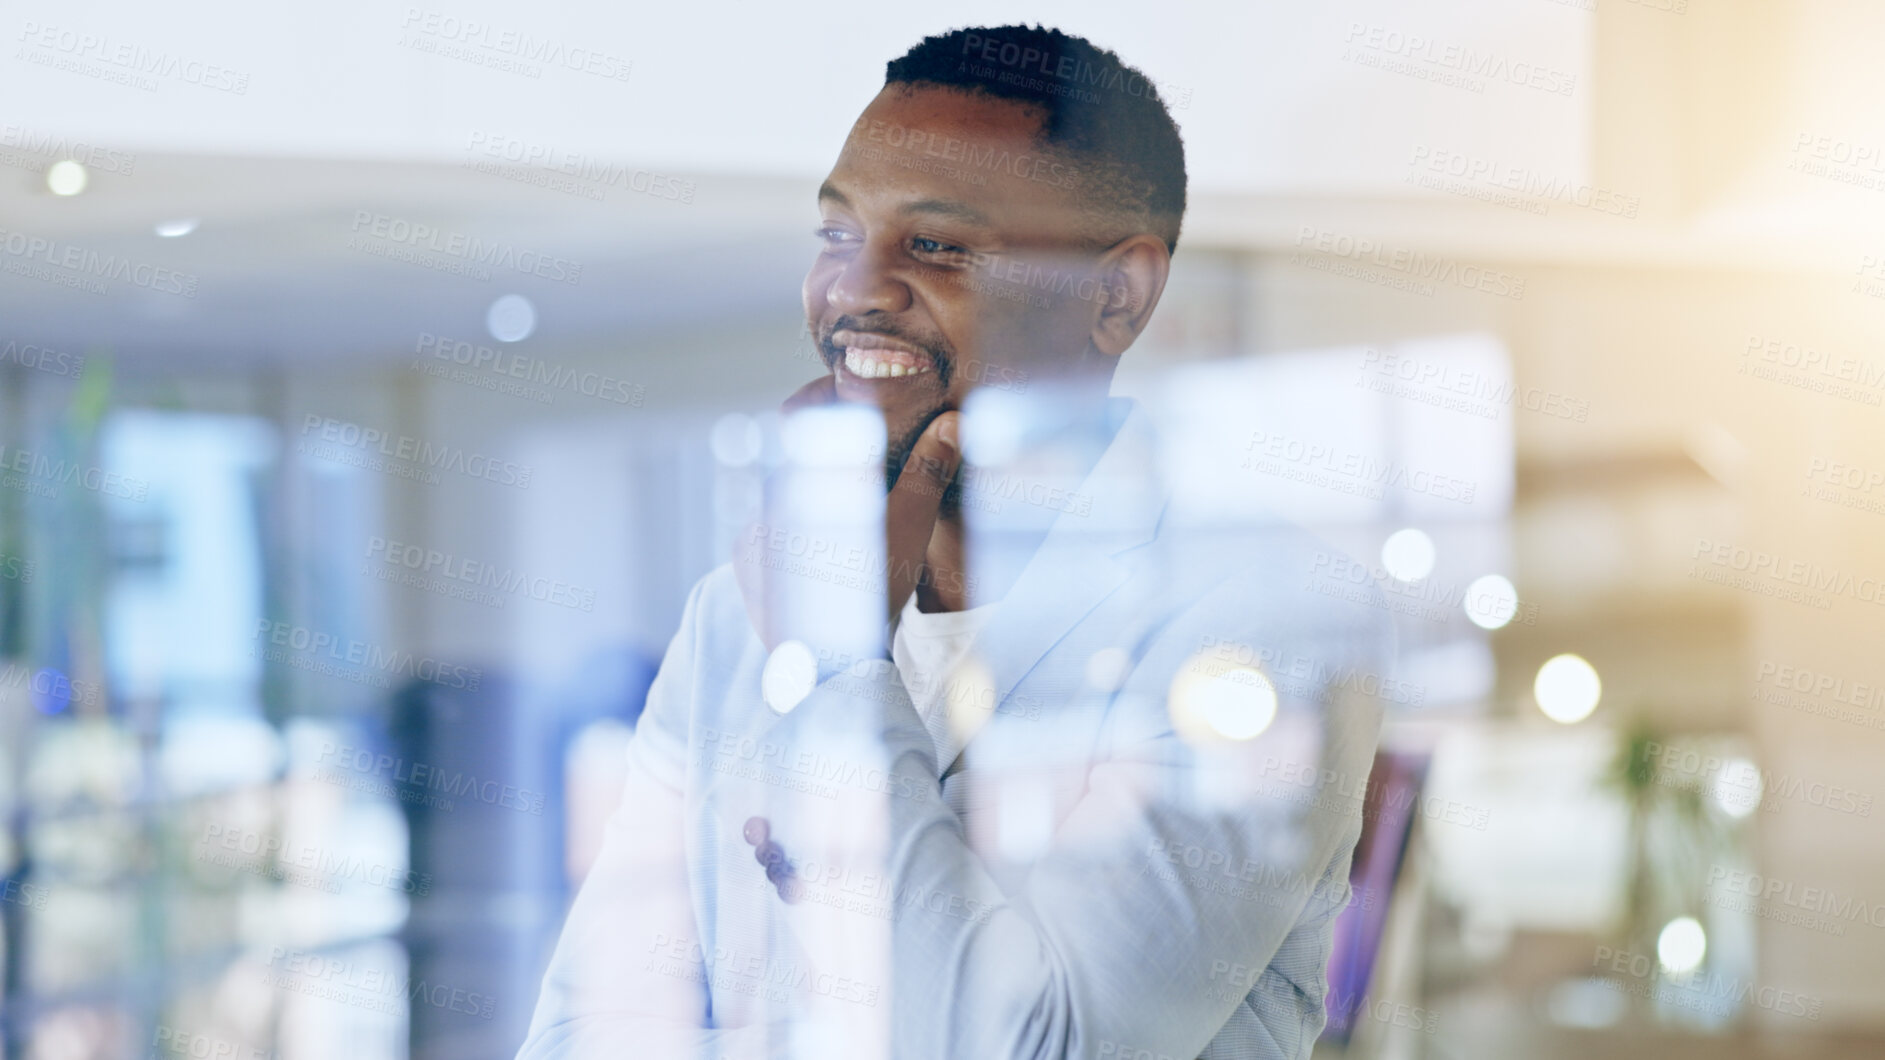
(1132, 275)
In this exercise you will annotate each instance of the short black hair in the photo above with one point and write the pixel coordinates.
(1096, 109)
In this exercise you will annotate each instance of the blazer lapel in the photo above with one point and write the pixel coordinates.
(1077, 567)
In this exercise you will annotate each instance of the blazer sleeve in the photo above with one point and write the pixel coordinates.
(627, 976)
(1178, 877)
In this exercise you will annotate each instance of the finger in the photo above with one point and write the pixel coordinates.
(910, 510)
(820, 391)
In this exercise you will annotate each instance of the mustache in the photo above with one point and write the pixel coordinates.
(939, 352)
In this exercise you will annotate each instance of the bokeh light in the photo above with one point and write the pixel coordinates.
(1408, 554)
(1567, 689)
(1681, 946)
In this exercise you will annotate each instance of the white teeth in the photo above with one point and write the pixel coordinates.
(865, 364)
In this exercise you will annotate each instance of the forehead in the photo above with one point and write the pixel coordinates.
(950, 112)
(933, 144)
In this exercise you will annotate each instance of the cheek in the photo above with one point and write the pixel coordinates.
(1002, 332)
(1056, 335)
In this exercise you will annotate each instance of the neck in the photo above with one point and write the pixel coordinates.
(947, 575)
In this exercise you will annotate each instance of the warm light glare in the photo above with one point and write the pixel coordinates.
(1567, 689)
(1210, 700)
(970, 695)
(1408, 555)
(65, 178)
(1491, 601)
(1681, 945)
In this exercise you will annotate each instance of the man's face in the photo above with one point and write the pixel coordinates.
(953, 257)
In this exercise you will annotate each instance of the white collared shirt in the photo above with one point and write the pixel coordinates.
(927, 648)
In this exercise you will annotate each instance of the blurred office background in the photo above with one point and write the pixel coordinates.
(1600, 283)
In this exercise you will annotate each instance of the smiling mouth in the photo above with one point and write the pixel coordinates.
(883, 364)
(872, 356)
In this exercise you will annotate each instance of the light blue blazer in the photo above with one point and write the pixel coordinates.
(1084, 865)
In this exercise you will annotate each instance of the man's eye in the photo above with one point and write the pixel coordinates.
(925, 245)
(834, 236)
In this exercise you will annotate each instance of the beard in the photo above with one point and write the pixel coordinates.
(900, 440)
(902, 426)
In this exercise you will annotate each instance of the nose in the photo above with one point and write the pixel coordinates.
(866, 284)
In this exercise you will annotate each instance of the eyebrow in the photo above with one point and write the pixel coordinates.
(960, 211)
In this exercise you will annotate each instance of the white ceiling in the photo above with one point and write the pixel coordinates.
(749, 101)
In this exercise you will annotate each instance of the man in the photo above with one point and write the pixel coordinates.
(1067, 816)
